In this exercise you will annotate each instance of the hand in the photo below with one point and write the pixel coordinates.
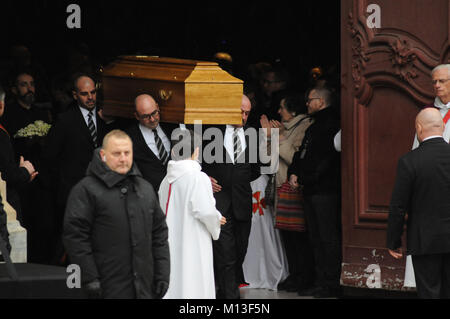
(94, 289)
(215, 186)
(29, 167)
(397, 254)
(106, 119)
(161, 289)
(293, 181)
(264, 121)
(223, 221)
(278, 125)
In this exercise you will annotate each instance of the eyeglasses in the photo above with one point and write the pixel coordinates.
(312, 98)
(148, 116)
(440, 81)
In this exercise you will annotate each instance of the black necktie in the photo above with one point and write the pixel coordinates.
(91, 127)
(236, 144)
(163, 156)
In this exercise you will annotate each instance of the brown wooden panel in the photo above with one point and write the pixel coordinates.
(385, 80)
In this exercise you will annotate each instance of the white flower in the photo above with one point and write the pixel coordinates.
(38, 128)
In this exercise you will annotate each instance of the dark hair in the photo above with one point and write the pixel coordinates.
(20, 72)
(280, 72)
(294, 102)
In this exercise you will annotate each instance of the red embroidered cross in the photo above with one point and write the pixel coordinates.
(260, 203)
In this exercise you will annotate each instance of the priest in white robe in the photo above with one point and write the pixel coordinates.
(187, 199)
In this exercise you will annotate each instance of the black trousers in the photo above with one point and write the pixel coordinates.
(323, 221)
(432, 273)
(229, 254)
(299, 256)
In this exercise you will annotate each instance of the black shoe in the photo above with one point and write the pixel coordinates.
(326, 293)
(291, 288)
(301, 288)
(309, 291)
(287, 284)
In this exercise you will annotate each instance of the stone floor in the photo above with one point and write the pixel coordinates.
(252, 293)
(347, 293)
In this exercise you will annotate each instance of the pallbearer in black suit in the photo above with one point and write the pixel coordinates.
(231, 186)
(421, 190)
(151, 140)
(71, 142)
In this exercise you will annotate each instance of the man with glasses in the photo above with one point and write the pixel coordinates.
(151, 140)
(71, 142)
(316, 168)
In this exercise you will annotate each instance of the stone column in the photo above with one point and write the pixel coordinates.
(17, 234)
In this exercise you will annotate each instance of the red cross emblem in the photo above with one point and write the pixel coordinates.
(260, 203)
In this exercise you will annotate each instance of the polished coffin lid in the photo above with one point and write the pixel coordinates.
(186, 90)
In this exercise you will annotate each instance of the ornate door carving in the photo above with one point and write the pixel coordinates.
(385, 80)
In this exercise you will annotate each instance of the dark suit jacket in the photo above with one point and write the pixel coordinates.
(317, 163)
(148, 163)
(69, 148)
(235, 180)
(422, 190)
(14, 176)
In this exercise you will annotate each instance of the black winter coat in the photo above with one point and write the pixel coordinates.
(15, 177)
(115, 230)
(317, 163)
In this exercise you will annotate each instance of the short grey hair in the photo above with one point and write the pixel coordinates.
(115, 134)
(324, 93)
(440, 67)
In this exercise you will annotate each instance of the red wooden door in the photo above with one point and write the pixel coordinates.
(385, 77)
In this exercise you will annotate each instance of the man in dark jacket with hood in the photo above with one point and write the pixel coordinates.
(114, 228)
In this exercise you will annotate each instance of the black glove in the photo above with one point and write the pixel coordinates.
(161, 289)
(93, 289)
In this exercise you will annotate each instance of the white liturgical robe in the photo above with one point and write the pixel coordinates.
(193, 221)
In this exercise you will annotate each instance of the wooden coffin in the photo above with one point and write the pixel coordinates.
(186, 90)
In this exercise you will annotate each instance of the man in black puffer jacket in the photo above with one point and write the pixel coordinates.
(114, 228)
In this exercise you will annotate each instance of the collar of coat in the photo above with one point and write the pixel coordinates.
(293, 122)
(100, 170)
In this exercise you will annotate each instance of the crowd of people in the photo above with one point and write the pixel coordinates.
(112, 196)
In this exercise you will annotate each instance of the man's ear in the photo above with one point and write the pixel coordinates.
(136, 116)
(74, 94)
(14, 90)
(102, 155)
(419, 130)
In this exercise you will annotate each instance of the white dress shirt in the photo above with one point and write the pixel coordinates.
(149, 138)
(85, 113)
(228, 140)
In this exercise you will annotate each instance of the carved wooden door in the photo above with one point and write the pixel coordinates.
(385, 74)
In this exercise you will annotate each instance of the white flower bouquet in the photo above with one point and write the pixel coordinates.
(38, 128)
